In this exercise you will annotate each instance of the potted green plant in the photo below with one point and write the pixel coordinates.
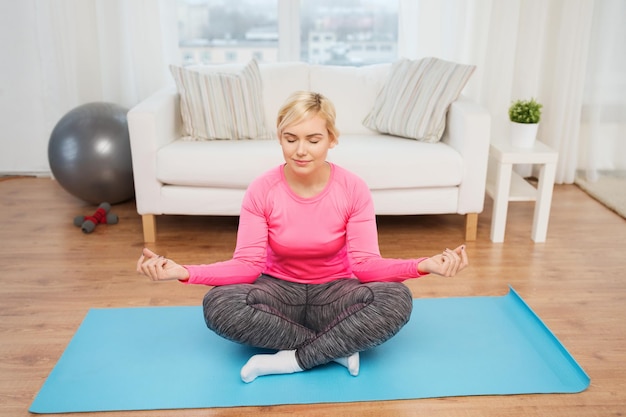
(524, 116)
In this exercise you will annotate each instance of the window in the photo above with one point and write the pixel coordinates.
(348, 32)
(227, 31)
(332, 32)
(230, 56)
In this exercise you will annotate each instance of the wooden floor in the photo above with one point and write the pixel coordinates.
(51, 274)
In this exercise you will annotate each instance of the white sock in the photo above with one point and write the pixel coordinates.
(281, 362)
(351, 362)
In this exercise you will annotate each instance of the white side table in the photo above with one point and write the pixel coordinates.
(504, 185)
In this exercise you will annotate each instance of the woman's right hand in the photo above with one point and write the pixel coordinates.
(158, 268)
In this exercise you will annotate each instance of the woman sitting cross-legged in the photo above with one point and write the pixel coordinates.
(306, 278)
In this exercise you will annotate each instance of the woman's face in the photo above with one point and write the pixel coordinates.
(305, 145)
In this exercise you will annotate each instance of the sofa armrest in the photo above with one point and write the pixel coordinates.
(468, 127)
(152, 124)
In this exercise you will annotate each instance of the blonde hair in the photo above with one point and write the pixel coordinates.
(302, 105)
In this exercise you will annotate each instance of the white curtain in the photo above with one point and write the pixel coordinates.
(524, 49)
(603, 129)
(103, 50)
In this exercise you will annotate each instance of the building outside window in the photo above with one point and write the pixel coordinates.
(331, 32)
(349, 32)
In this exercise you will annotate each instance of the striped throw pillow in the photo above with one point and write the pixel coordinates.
(221, 105)
(416, 96)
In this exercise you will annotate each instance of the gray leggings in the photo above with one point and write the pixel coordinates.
(321, 321)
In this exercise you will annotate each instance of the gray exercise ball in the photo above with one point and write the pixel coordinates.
(89, 153)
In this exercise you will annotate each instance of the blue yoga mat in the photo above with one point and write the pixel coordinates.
(165, 358)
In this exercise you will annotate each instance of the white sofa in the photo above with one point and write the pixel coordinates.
(181, 177)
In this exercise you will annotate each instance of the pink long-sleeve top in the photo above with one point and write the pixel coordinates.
(306, 240)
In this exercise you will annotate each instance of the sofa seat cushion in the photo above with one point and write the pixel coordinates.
(384, 162)
(221, 164)
(391, 162)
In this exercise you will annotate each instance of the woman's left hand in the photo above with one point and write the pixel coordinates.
(446, 264)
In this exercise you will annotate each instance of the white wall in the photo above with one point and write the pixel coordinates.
(24, 132)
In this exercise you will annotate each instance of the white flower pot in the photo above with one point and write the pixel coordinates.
(523, 135)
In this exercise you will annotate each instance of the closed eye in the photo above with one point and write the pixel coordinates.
(313, 139)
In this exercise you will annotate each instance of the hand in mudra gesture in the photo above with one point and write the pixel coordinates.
(446, 264)
(158, 268)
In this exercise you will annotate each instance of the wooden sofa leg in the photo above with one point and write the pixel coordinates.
(471, 226)
(149, 228)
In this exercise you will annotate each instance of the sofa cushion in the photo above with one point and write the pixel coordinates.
(221, 164)
(384, 162)
(389, 162)
(280, 80)
(352, 90)
(416, 96)
(221, 105)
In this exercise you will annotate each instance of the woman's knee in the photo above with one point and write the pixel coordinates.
(222, 303)
(393, 300)
(215, 297)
